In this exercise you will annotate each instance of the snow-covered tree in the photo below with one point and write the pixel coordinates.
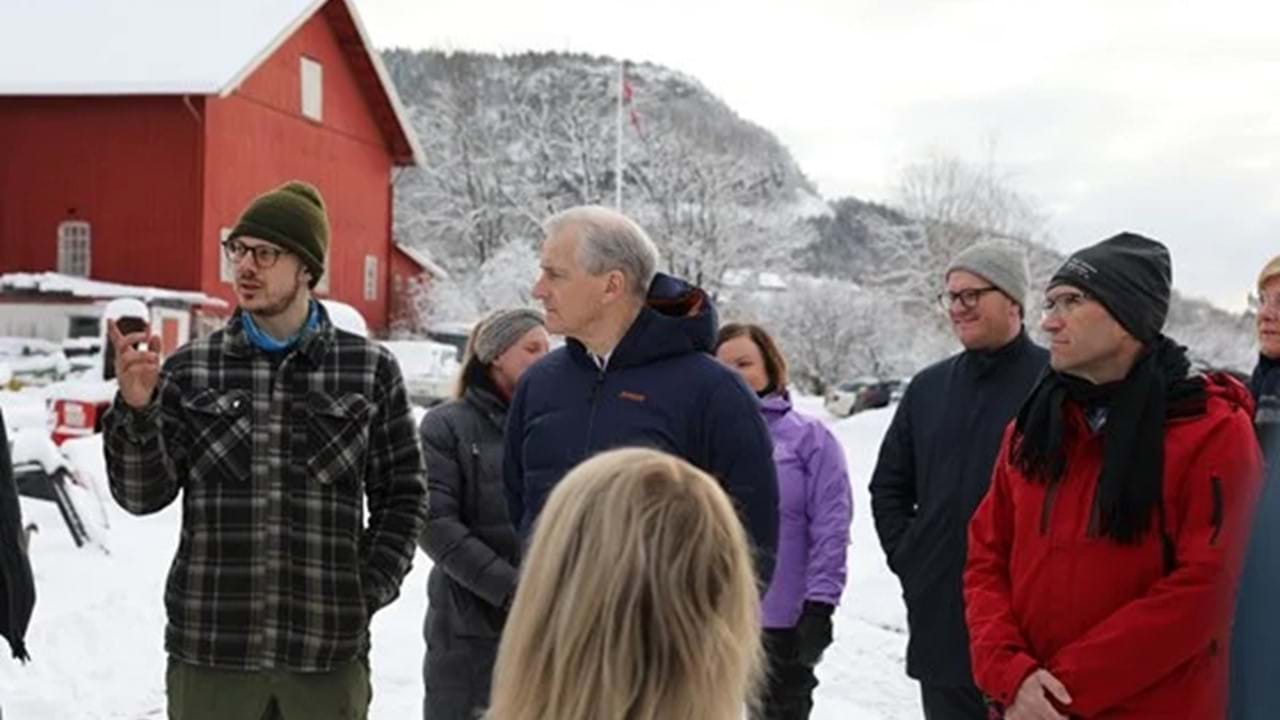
(510, 141)
(956, 203)
(832, 331)
(505, 280)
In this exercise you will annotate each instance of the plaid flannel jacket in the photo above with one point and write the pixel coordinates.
(274, 458)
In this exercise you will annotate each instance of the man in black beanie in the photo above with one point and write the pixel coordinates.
(1103, 562)
(275, 431)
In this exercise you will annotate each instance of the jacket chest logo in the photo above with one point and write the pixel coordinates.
(632, 396)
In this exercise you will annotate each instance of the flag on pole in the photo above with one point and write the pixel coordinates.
(628, 96)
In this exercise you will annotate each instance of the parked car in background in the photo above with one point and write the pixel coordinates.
(430, 369)
(42, 471)
(82, 352)
(345, 317)
(31, 361)
(899, 388)
(454, 334)
(861, 394)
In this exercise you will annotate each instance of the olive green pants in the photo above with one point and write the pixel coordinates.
(205, 693)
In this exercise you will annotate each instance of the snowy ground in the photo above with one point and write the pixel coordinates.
(96, 635)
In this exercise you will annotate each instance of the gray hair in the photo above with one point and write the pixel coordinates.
(609, 240)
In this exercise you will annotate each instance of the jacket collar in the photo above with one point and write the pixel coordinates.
(312, 344)
(777, 403)
(985, 361)
(487, 402)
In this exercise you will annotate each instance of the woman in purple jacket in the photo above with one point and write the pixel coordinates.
(814, 514)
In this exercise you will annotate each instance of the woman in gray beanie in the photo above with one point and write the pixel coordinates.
(468, 534)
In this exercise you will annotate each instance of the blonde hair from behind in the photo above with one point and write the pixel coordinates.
(637, 600)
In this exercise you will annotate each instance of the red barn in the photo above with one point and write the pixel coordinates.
(132, 135)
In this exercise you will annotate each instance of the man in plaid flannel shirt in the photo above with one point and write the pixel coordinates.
(275, 430)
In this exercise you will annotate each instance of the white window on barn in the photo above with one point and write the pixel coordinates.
(312, 89)
(74, 248)
(370, 277)
(226, 268)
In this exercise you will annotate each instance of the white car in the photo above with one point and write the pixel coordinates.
(840, 399)
(861, 394)
(430, 369)
(454, 334)
(32, 361)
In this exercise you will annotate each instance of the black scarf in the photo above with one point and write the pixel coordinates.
(1130, 483)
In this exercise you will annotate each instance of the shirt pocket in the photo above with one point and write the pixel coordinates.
(337, 437)
(221, 427)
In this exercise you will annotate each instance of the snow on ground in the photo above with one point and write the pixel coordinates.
(24, 409)
(96, 637)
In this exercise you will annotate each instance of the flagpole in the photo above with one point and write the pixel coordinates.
(617, 167)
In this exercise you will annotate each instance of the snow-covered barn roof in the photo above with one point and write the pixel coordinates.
(56, 284)
(175, 47)
(423, 260)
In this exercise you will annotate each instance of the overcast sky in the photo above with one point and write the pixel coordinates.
(1157, 117)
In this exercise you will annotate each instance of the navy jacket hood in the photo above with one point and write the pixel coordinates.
(677, 319)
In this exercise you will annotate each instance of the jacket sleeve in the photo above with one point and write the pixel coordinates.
(829, 506)
(740, 456)
(893, 482)
(17, 585)
(395, 486)
(1000, 654)
(446, 539)
(1256, 634)
(1190, 608)
(513, 462)
(145, 449)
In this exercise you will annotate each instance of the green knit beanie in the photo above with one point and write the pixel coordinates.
(293, 217)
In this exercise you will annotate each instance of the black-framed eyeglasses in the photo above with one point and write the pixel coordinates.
(968, 298)
(264, 256)
(1064, 303)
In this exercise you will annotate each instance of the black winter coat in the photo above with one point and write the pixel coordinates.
(17, 586)
(473, 546)
(468, 534)
(934, 468)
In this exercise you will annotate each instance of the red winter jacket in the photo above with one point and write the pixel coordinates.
(1127, 636)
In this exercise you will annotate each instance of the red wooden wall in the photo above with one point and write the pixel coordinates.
(129, 166)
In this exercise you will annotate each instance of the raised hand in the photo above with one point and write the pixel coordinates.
(137, 370)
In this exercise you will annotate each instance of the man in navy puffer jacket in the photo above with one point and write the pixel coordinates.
(635, 371)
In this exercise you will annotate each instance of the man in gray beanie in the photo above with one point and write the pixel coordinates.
(1002, 264)
(936, 460)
